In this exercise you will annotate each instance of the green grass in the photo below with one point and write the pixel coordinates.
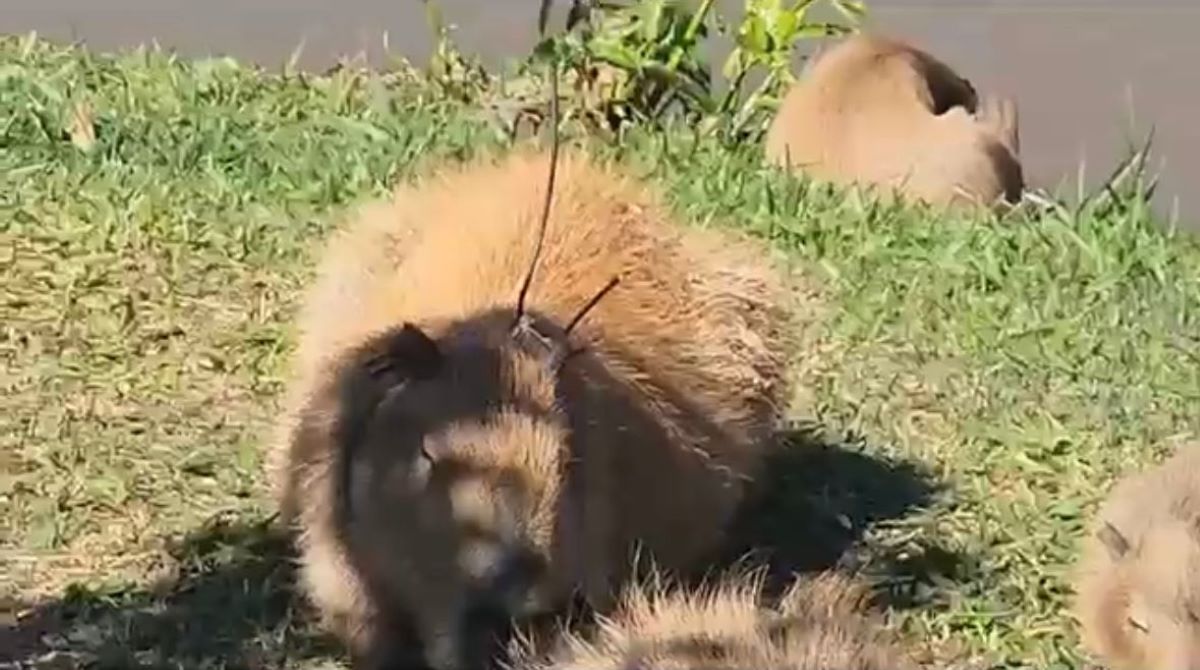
(982, 380)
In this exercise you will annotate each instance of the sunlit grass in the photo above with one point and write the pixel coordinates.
(149, 275)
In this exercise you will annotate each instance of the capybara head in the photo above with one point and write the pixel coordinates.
(453, 445)
(820, 623)
(1144, 613)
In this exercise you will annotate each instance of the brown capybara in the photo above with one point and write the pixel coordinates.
(821, 623)
(451, 455)
(878, 112)
(1137, 589)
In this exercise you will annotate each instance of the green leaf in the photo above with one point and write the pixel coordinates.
(615, 54)
(433, 17)
(754, 35)
(733, 64)
(652, 18)
(855, 10)
(812, 30)
(546, 48)
(785, 28)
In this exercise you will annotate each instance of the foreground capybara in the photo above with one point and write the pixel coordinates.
(454, 451)
(876, 111)
(1138, 580)
(821, 623)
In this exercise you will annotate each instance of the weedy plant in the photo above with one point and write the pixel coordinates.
(629, 62)
(764, 44)
(456, 75)
(635, 61)
(643, 60)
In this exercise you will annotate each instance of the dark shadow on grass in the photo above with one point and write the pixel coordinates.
(818, 500)
(232, 603)
(231, 606)
(917, 574)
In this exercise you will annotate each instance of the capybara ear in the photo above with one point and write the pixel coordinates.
(403, 354)
(999, 115)
(1113, 541)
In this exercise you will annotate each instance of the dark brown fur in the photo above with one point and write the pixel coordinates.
(821, 623)
(460, 462)
(876, 111)
(1138, 581)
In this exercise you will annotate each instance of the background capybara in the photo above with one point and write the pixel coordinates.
(1138, 581)
(876, 111)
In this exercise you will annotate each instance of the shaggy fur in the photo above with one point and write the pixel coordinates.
(1138, 584)
(821, 623)
(466, 463)
(875, 111)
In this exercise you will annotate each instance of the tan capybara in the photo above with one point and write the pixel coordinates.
(821, 623)
(451, 457)
(1138, 580)
(878, 112)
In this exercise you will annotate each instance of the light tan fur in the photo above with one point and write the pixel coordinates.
(820, 623)
(876, 111)
(497, 453)
(1138, 580)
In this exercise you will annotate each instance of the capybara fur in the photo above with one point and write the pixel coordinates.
(445, 457)
(822, 622)
(878, 112)
(1137, 590)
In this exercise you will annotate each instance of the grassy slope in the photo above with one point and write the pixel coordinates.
(147, 286)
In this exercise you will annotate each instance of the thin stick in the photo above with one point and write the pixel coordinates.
(537, 252)
(612, 283)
